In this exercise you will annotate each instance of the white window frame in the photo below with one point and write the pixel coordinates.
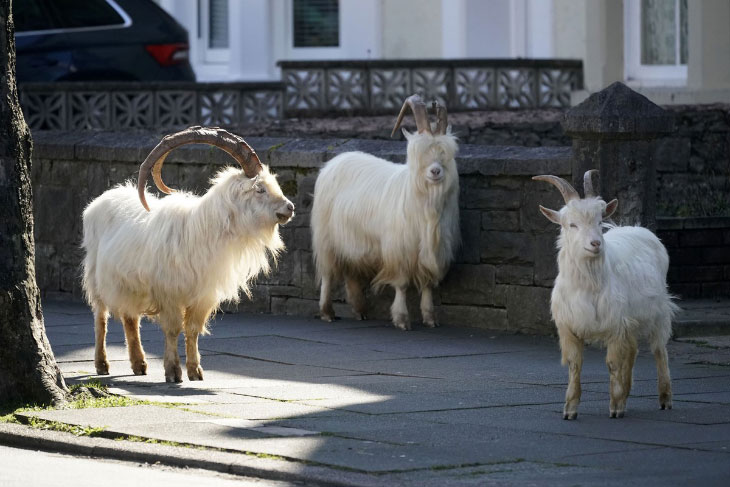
(644, 74)
(310, 52)
(208, 54)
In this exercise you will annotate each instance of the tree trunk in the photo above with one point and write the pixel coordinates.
(28, 370)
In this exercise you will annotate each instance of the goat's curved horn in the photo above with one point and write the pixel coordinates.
(441, 117)
(568, 191)
(419, 113)
(218, 137)
(588, 190)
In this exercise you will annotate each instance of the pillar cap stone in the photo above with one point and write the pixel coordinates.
(617, 112)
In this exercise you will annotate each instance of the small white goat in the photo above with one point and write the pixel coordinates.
(611, 288)
(389, 223)
(183, 255)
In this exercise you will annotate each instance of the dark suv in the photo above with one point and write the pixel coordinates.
(99, 40)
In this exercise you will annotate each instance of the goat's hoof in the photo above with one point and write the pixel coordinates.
(195, 373)
(617, 414)
(401, 322)
(431, 323)
(573, 415)
(139, 368)
(102, 368)
(360, 316)
(665, 402)
(175, 375)
(327, 318)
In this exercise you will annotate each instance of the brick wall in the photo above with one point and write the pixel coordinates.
(500, 280)
(699, 255)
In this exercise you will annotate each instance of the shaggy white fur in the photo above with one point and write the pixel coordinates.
(611, 289)
(393, 223)
(178, 261)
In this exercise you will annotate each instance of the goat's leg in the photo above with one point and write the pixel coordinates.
(355, 297)
(134, 345)
(101, 316)
(399, 309)
(664, 382)
(171, 324)
(194, 323)
(620, 359)
(326, 311)
(427, 312)
(571, 349)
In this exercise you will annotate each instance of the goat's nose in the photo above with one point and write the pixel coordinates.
(436, 171)
(290, 206)
(595, 243)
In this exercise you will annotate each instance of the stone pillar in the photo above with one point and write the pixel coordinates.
(615, 131)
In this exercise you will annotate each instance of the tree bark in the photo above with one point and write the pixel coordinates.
(28, 370)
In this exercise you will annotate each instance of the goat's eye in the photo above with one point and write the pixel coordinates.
(573, 225)
(260, 189)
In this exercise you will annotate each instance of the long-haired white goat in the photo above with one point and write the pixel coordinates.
(182, 255)
(390, 223)
(611, 288)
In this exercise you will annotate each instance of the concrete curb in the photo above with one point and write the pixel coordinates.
(240, 464)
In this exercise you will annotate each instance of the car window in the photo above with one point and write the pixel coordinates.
(33, 15)
(88, 13)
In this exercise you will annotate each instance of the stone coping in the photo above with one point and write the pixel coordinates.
(427, 63)
(295, 152)
(150, 86)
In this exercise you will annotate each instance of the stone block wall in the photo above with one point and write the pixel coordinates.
(699, 255)
(501, 278)
(693, 163)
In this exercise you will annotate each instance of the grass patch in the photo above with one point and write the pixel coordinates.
(43, 424)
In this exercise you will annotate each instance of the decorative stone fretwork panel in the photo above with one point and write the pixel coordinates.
(379, 87)
(218, 107)
(475, 88)
(261, 106)
(516, 88)
(88, 110)
(305, 89)
(389, 87)
(347, 89)
(132, 109)
(132, 105)
(44, 110)
(432, 84)
(175, 108)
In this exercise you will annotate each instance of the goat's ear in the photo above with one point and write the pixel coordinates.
(552, 215)
(406, 134)
(610, 208)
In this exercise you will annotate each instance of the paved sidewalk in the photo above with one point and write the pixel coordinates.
(360, 403)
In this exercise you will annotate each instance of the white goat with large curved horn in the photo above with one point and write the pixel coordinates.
(611, 288)
(389, 223)
(180, 256)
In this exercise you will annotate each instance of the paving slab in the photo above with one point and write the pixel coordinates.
(446, 406)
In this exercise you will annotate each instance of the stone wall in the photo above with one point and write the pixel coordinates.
(693, 164)
(699, 255)
(500, 280)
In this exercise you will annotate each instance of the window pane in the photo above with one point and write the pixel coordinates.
(316, 23)
(658, 32)
(218, 24)
(89, 13)
(683, 50)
